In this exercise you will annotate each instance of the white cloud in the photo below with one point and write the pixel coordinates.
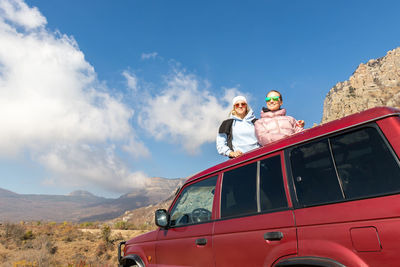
(186, 112)
(96, 164)
(136, 148)
(19, 13)
(131, 80)
(149, 55)
(53, 107)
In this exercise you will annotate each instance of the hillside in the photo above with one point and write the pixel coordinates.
(143, 216)
(375, 83)
(62, 244)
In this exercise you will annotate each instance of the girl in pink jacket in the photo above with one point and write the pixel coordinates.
(274, 124)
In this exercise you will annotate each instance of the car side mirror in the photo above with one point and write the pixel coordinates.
(162, 218)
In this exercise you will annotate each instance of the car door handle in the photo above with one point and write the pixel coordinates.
(273, 236)
(201, 241)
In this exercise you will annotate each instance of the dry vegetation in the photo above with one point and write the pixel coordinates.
(63, 244)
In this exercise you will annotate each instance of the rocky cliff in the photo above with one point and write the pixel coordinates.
(376, 83)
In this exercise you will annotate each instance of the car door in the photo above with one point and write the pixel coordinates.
(256, 224)
(347, 198)
(188, 242)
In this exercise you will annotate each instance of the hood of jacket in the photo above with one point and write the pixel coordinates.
(249, 117)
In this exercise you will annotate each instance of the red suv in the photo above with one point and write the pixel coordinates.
(328, 196)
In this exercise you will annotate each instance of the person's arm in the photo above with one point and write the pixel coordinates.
(298, 126)
(222, 144)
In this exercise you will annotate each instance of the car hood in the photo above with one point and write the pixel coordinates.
(147, 237)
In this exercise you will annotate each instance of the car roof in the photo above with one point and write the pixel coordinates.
(347, 122)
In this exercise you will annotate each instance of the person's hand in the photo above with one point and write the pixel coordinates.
(235, 154)
(300, 123)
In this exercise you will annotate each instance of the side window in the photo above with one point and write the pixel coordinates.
(365, 164)
(194, 204)
(314, 174)
(272, 191)
(353, 165)
(238, 194)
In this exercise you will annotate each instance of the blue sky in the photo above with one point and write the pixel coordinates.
(101, 95)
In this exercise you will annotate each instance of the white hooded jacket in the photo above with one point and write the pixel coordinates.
(243, 135)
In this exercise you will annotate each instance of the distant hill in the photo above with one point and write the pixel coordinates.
(7, 193)
(81, 206)
(144, 216)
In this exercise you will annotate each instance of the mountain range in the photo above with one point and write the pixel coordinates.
(81, 206)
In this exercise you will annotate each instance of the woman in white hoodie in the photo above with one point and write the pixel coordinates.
(236, 135)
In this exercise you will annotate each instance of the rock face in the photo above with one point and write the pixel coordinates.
(376, 83)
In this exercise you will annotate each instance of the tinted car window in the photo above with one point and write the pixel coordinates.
(349, 166)
(194, 204)
(272, 192)
(238, 194)
(365, 164)
(314, 174)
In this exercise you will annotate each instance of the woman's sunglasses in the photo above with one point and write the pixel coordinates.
(240, 104)
(275, 98)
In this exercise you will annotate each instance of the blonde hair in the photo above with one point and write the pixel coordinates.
(237, 99)
(233, 112)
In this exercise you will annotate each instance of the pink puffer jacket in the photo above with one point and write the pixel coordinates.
(275, 125)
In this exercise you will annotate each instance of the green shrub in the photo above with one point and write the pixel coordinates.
(14, 232)
(121, 225)
(28, 235)
(105, 233)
